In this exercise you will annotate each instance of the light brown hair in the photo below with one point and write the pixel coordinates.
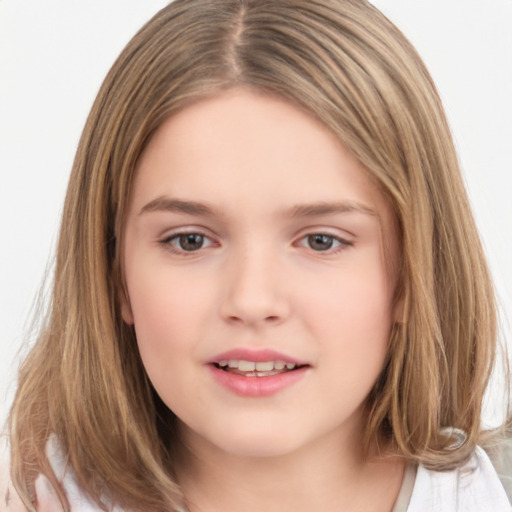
(346, 64)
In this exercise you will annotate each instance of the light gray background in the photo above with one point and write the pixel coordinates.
(54, 55)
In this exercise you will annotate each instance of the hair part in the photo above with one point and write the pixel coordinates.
(346, 64)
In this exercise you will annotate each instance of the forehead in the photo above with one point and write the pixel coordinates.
(241, 149)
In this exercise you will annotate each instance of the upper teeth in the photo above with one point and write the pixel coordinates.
(251, 366)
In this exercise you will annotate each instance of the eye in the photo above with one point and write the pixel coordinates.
(321, 242)
(186, 242)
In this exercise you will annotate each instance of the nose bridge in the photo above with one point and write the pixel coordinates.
(254, 291)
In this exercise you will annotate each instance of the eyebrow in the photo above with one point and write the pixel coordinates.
(167, 204)
(195, 208)
(322, 208)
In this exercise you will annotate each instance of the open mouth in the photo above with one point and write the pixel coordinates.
(256, 369)
(257, 373)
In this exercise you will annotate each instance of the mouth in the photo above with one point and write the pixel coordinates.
(257, 372)
(256, 368)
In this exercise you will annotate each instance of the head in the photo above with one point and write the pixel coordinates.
(345, 65)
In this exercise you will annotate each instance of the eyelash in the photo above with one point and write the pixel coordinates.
(177, 237)
(170, 241)
(343, 244)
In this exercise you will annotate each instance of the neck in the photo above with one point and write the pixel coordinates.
(330, 474)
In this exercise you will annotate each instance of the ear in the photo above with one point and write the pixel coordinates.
(126, 307)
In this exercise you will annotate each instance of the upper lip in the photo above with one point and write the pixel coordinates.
(256, 355)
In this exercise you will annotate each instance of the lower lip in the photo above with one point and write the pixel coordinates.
(256, 386)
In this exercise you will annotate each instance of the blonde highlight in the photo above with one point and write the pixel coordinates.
(346, 64)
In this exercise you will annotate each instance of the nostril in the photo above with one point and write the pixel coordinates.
(269, 319)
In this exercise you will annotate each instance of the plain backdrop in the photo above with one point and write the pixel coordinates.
(54, 55)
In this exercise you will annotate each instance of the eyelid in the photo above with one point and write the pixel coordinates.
(166, 239)
(335, 232)
(344, 242)
(169, 232)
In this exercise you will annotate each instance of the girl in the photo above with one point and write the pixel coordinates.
(269, 293)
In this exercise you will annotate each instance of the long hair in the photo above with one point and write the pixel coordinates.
(346, 64)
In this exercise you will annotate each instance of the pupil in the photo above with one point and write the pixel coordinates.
(191, 242)
(320, 242)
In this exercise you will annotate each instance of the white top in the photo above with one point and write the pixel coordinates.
(474, 487)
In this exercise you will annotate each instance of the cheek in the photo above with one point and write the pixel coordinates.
(352, 318)
(356, 299)
(169, 315)
(165, 302)
(165, 323)
(354, 335)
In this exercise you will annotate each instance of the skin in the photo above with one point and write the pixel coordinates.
(257, 281)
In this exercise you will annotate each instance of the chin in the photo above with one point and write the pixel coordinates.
(256, 440)
(258, 447)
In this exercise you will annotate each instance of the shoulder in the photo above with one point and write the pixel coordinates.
(473, 487)
(9, 499)
(501, 457)
(77, 499)
(45, 495)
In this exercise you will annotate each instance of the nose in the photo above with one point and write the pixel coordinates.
(254, 290)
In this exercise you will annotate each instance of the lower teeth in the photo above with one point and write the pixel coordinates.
(263, 374)
(253, 374)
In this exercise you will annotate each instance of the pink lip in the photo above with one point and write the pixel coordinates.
(256, 386)
(256, 355)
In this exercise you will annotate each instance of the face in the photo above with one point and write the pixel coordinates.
(256, 277)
